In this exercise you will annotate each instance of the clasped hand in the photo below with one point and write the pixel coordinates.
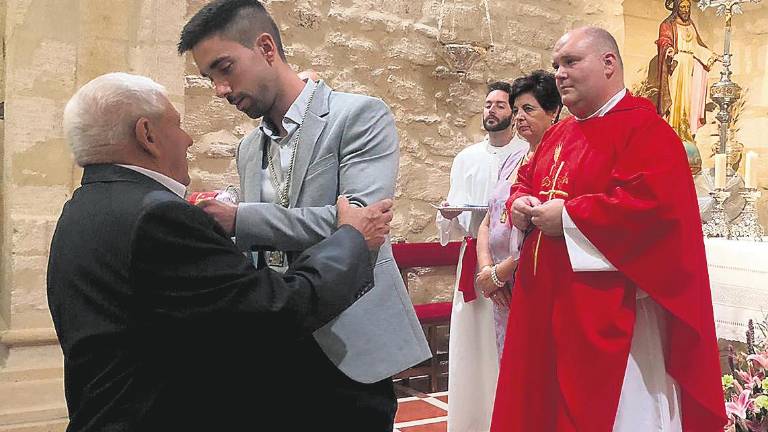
(548, 216)
(372, 221)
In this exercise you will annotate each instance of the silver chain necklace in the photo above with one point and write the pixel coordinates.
(283, 189)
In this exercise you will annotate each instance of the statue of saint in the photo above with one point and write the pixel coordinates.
(682, 64)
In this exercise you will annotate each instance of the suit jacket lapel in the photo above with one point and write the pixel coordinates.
(311, 129)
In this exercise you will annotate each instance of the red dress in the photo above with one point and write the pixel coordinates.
(627, 186)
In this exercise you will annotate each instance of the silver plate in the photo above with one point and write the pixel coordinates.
(705, 183)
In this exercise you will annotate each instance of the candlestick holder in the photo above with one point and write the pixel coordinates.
(717, 226)
(747, 226)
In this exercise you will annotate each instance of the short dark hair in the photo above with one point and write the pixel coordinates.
(500, 85)
(238, 20)
(541, 84)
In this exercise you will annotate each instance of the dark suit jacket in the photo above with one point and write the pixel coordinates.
(164, 324)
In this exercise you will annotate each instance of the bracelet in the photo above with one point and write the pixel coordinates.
(495, 278)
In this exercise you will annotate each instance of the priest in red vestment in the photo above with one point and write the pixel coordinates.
(611, 325)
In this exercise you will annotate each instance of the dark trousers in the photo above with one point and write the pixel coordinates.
(328, 400)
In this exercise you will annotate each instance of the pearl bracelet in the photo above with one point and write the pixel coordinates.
(495, 278)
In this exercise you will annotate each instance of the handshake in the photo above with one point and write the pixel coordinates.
(548, 216)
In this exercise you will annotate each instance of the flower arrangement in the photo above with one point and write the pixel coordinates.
(746, 387)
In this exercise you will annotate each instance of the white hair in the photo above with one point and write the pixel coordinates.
(101, 117)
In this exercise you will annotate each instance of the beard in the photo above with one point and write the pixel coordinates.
(253, 109)
(500, 126)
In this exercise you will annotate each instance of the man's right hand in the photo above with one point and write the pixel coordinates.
(448, 214)
(521, 211)
(372, 221)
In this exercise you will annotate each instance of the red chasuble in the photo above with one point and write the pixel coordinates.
(626, 184)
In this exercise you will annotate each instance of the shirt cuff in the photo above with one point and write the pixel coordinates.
(449, 229)
(583, 254)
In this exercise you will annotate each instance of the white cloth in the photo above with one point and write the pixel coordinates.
(585, 256)
(474, 173)
(174, 186)
(473, 366)
(738, 271)
(649, 398)
(612, 102)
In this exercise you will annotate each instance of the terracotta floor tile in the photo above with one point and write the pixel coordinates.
(442, 398)
(432, 427)
(417, 410)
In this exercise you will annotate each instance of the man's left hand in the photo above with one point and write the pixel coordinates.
(549, 217)
(224, 213)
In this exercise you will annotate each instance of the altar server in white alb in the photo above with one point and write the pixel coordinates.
(473, 352)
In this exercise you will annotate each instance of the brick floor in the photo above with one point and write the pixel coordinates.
(422, 413)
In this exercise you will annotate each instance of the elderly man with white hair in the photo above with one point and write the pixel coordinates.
(164, 324)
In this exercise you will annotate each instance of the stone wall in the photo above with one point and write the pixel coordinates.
(52, 48)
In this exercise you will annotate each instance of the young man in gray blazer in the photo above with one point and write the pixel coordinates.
(313, 145)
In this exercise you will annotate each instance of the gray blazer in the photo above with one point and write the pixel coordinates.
(348, 146)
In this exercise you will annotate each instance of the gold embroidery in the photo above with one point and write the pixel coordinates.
(550, 185)
(558, 149)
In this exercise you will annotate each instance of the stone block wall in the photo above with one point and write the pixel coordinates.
(50, 49)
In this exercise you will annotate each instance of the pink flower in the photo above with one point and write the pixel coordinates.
(744, 377)
(760, 360)
(738, 406)
(750, 381)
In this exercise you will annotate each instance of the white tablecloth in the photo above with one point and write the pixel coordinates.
(738, 275)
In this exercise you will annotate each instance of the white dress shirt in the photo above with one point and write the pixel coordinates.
(174, 186)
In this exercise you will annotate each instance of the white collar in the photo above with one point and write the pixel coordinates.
(174, 186)
(293, 115)
(612, 102)
(505, 150)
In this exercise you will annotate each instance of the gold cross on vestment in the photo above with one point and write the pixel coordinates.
(550, 194)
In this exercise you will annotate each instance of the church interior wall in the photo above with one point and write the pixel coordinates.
(5, 296)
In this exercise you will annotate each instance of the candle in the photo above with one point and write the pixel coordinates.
(720, 171)
(750, 173)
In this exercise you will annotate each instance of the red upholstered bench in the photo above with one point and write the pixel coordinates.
(431, 315)
(434, 313)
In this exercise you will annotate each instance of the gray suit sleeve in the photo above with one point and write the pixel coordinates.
(369, 159)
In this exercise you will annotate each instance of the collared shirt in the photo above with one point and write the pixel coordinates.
(282, 145)
(612, 102)
(174, 186)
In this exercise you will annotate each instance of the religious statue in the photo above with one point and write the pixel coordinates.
(681, 68)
